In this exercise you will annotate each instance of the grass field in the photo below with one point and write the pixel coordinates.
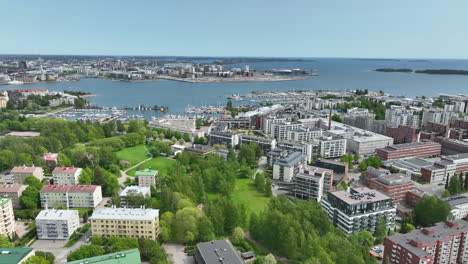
(133, 154)
(159, 163)
(246, 194)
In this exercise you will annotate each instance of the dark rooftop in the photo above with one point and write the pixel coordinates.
(219, 251)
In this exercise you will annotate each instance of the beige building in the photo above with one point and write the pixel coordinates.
(125, 222)
(66, 175)
(19, 173)
(7, 219)
(146, 177)
(12, 191)
(71, 196)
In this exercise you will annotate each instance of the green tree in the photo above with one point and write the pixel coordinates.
(237, 236)
(5, 242)
(446, 194)
(430, 210)
(63, 160)
(86, 251)
(268, 191)
(36, 260)
(380, 231)
(336, 118)
(269, 259)
(186, 137)
(455, 186)
(260, 182)
(205, 229)
(86, 176)
(33, 181)
(47, 256)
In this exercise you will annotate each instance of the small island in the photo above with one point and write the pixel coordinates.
(431, 71)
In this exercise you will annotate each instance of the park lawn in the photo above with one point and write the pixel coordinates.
(134, 155)
(161, 164)
(245, 193)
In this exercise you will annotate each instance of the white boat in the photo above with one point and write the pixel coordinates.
(15, 82)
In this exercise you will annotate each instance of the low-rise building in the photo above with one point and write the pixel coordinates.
(216, 252)
(15, 255)
(408, 150)
(359, 209)
(51, 160)
(459, 206)
(66, 175)
(12, 191)
(71, 196)
(227, 139)
(19, 173)
(199, 149)
(146, 177)
(133, 190)
(394, 185)
(7, 218)
(57, 224)
(125, 222)
(131, 256)
(443, 243)
(265, 143)
(286, 167)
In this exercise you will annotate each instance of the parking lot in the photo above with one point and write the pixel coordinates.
(176, 254)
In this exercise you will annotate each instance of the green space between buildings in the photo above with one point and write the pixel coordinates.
(161, 164)
(133, 155)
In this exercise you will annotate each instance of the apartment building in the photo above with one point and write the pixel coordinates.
(146, 177)
(443, 243)
(311, 182)
(279, 131)
(402, 134)
(331, 147)
(459, 204)
(359, 209)
(394, 185)
(71, 196)
(338, 167)
(438, 116)
(409, 150)
(217, 251)
(12, 191)
(399, 115)
(125, 222)
(309, 149)
(66, 175)
(19, 173)
(287, 166)
(57, 224)
(133, 190)
(304, 134)
(7, 218)
(227, 139)
(265, 143)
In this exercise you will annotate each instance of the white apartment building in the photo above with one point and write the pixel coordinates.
(459, 206)
(57, 224)
(66, 175)
(286, 167)
(304, 134)
(332, 147)
(279, 131)
(438, 116)
(311, 182)
(7, 218)
(71, 196)
(399, 115)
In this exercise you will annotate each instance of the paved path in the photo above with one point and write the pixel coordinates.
(124, 174)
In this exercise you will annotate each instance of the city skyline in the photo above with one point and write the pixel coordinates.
(322, 29)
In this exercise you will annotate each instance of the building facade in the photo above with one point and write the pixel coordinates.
(12, 191)
(146, 177)
(19, 173)
(71, 196)
(443, 243)
(66, 175)
(125, 222)
(311, 182)
(57, 224)
(409, 150)
(359, 209)
(7, 218)
(286, 167)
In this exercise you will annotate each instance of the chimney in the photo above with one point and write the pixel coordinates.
(329, 119)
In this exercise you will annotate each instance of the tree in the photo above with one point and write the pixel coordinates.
(86, 251)
(430, 210)
(47, 256)
(186, 137)
(380, 231)
(205, 229)
(86, 176)
(465, 186)
(33, 181)
(364, 238)
(268, 191)
(336, 118)
(269, 259)
(455, 186)
(5, 242)
(446, 194)
(36, 260)
(237, 236)
(63, 160)
(260, 182)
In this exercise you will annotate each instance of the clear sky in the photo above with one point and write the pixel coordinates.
(261, 28)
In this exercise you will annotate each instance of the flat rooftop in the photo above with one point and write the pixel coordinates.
(137, 190)
(131, 256)
(394, 179)
(125, 214)
(213, 251)
(54, 214)
(411, 145)
(366, 195)
(13, 255)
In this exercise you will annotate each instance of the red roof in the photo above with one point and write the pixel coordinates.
(10, 187)
(23, 169)
(50, 156)
(31, 91)
(65, 170)
(69, 188)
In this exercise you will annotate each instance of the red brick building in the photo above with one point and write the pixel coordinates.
(443, 243)
(402, 134)
(408, 150)
(395, 185)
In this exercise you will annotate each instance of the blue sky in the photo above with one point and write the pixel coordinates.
(268, 28)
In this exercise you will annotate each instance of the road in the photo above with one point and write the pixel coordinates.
(262, 162)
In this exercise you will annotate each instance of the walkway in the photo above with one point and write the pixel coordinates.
(124, 175)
